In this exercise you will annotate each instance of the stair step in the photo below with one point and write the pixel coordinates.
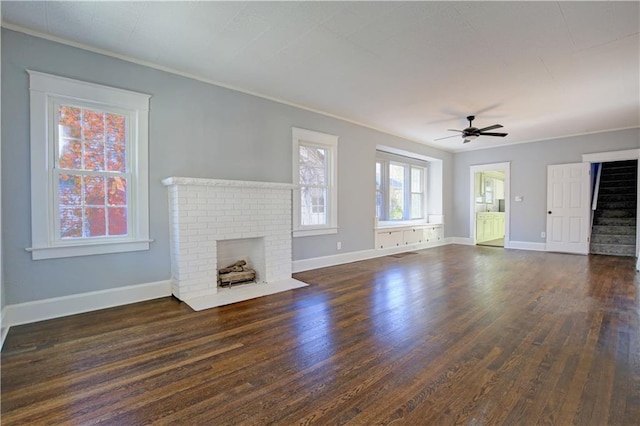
(614, 221)
(616, 183)
(620, 164)
(616, 213)
(618, 190)
(616, 197)
(611, 205)
(618, 170)
(614, 229)
(613, 249)
(630, 176)
(613, 239)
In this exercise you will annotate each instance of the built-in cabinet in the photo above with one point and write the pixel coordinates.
(489, 226)
(409, 235)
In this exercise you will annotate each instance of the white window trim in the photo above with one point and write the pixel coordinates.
(45, 89)
(329, 142)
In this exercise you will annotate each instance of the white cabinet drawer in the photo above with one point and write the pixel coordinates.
(388, 239)
(413, 236)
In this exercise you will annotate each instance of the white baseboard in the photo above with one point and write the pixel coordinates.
(517, 245)
(526, 245)
(39, 310)
(355, 256)
(4, 327)
(462, 240)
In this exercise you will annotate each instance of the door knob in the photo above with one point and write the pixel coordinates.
(549, 212)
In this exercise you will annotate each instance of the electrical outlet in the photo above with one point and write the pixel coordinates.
(339, 245)
(543, 234)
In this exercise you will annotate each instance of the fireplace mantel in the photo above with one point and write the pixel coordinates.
(226, 183)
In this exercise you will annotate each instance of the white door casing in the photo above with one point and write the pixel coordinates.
(568, 202)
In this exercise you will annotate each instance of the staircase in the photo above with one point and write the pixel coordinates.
(614, 222)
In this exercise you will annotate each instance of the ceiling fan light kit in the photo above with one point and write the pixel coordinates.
(471, 133)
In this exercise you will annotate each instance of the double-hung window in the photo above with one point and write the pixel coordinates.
(89, 173)
(315, 203)
(400, 188)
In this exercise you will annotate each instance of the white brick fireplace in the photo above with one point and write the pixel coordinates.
(205, 212)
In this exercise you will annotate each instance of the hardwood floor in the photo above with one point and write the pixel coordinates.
(449, 335)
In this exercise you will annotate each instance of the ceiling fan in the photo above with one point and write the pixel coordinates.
(471, 133)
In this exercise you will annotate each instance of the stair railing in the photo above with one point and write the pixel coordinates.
(596, 191)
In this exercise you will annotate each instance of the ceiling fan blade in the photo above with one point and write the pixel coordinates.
(455, 130)
(447, 137)
(495, 126)
(502, 135)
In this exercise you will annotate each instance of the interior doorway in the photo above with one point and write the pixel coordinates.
(489, 201)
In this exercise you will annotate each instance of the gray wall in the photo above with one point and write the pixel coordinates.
(196, 130)
(3, 301)
(529, 176)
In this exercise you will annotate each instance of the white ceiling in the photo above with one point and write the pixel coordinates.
(414, 69)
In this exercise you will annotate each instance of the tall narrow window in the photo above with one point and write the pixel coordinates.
(315, 202)
(379, 200)
(89, 173)
(400, 188)
(417, 193)
(397, 190)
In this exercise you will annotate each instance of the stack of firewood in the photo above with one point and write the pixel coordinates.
(236, 273)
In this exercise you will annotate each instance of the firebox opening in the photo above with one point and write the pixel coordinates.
(240, 261)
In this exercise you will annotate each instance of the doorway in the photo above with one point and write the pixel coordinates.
(489, 202)
(622, 155)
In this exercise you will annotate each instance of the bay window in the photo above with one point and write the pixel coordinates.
(400, 188)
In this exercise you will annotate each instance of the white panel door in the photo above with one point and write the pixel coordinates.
(568, 201)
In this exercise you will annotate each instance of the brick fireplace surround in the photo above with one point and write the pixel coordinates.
(204, 212)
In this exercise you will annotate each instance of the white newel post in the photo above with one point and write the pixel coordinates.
(205, 211)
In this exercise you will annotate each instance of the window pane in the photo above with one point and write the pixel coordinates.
(115, 143)
(93, 138)
(69, 190)
(117, 220)
(94, 222)
(117, 195)
(313, 165)
(396, 192)
(69, 122)
(313, 206)
(94, 190)
(70, 222)
(378, 204)
(416, 206)
(70, 154)
(378, 176)
(416, 180)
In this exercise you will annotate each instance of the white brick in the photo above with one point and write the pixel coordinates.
(202, 215)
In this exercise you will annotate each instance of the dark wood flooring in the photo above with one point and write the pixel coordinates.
(449, 335)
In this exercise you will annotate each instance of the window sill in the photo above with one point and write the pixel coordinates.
(54, 252)
(402, 224)
(316, 231)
